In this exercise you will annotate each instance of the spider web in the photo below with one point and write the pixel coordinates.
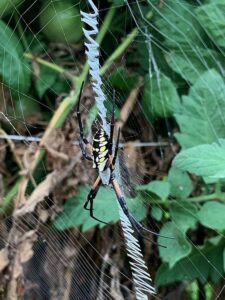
(70, 264)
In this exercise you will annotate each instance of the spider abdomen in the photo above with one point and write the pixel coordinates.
(100, 150)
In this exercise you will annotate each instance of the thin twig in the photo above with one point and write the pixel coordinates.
(128, 106)
(23, 138)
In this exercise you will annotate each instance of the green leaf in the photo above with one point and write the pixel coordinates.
(224, 259)
(177, 24)
(176, 248)
(201, 116)
(181, 184)
(203, 263)
(156, 213)
(160, 97)
(9, 7)
(184, 214)
(211, 17)
(122, 80)
(160, 188)
(117, 2)
(45, 81)
(13, 68)
(190, 64)
(192, 290)
(203, 160)
(105, 209)
(212, 215)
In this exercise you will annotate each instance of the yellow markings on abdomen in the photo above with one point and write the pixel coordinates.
(101, 159)
(102, 149)
(103, 154)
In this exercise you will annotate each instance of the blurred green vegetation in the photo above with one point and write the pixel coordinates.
(187, 88)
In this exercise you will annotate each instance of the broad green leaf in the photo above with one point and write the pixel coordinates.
(184, 214)
(13, 67)
(177, 24)
(212, 215)
(202, 114)
(224, 259)
(203, 263)
(176, 248)
(61, 86)
(105, 209)
(7, 7)
(140, 57)
(211, 17)
(122, 80)
(45, 81)
(180, 183)
(160, 97)
(160, 188)
(203, 160)
(156, 212)
(191, 64)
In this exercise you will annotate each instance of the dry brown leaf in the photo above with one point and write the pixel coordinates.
(45, 188)
(4, 260)
(25, 248)
(21, 253)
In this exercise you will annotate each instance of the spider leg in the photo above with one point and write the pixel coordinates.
(92, 215)
(137, 225)
(93, 192)
(116, 149)
(82, 138)
(84, 153)
(137, 229)
(90, 199)
(112, 124)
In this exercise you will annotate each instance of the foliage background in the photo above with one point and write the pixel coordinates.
(180, 102)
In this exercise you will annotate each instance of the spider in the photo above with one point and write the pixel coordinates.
(104, 160)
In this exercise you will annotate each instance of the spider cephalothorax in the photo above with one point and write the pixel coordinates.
(104, 159)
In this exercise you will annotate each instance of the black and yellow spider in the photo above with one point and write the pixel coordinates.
(104, 160)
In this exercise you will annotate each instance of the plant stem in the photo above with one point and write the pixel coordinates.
(48, 64)
(217, 195)
(202, 198)
(7, 200)
(63, 110)
(130, 37)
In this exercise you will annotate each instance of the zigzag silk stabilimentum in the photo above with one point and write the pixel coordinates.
(141, 277)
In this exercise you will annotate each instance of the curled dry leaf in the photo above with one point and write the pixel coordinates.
(21, 253)
(45, 188)
(4, 260)
(26, 245)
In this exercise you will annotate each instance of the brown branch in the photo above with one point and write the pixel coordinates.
(128, 106)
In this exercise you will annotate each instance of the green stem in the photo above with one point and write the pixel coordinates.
(46, 63)
(217, 195)
(203, 198)
(7, 201)
(127, 41)
(66, 105)
(218, 188)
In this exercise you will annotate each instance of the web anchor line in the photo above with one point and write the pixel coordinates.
(142, 280)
